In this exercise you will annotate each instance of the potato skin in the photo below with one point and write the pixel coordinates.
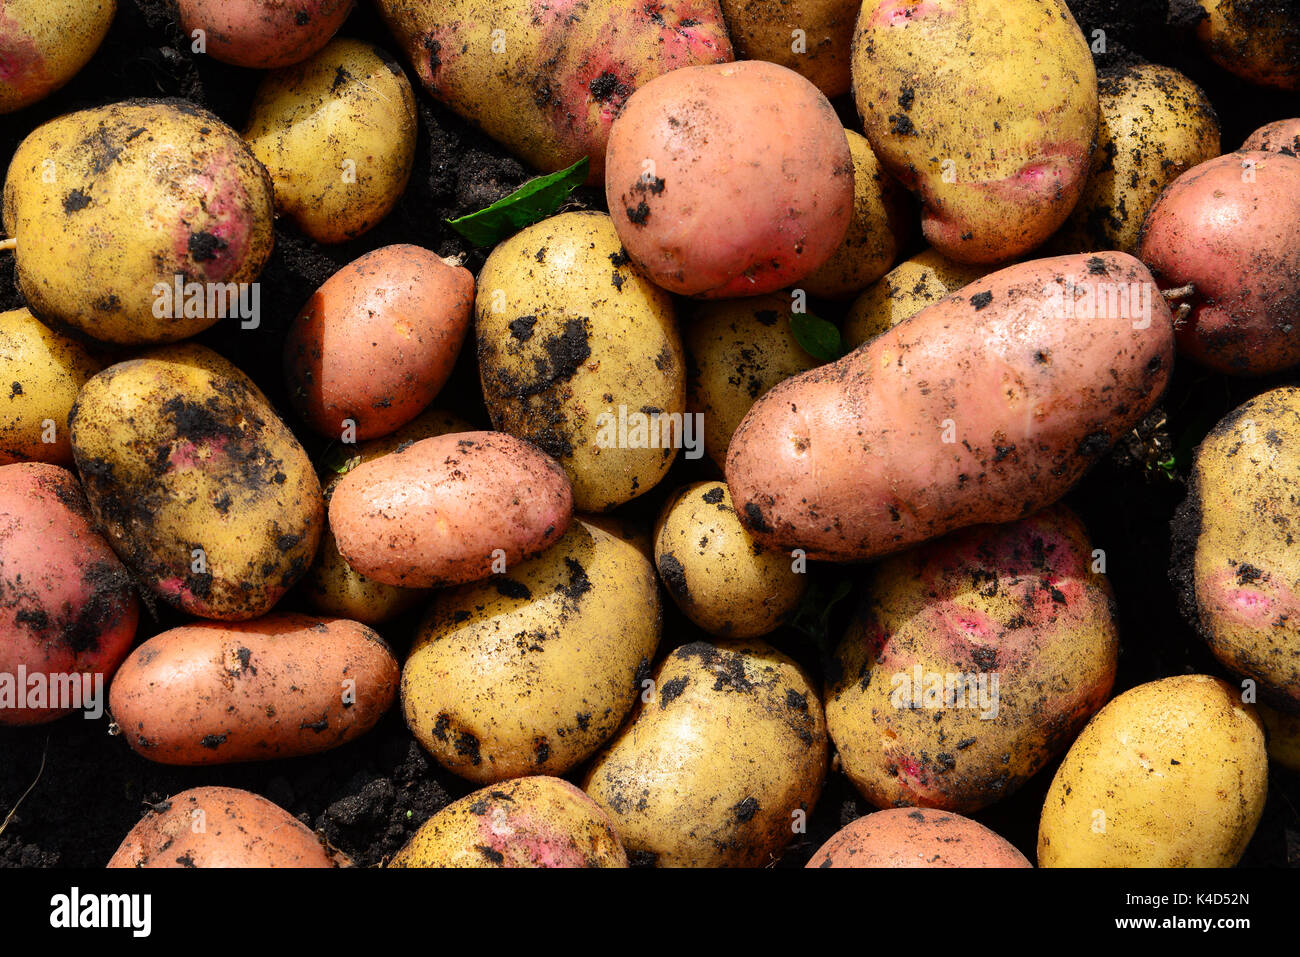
(130, 213)
(438, 511)
(240, 829)
(919, 837)
(903, 292)
(530, 822)
(1282, 136)
(307, 127)
(1283, 737)
(377, 341)
(1259, 42)
(280, 686)
(550, 83)
(43, 372)
(1238, 243)
(763, 30)
(532, 671)
(45, 43)
(1179, 771)
(67, 606)
(567, 334)
(982, 408)
(1038, 622)
(711, 770)
(180, 451)
(1002, 90)
(263, 34)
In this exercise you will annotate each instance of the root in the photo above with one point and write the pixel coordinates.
(8, 245)
(1182, 292)
(10, 816)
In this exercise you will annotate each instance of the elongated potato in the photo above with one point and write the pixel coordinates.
(984, 407)
(903, 292)
(45, 43)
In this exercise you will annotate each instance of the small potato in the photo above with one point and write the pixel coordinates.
(532, 671)
(1230, 228)
(919, 837)
(337, 134)
(1257, 41)
(1282, 136)
(45, 43)
(150, 196)
(766, 30)
(219, 827)
(530, 822)
(1283, 737)
(263, 34)
(903, 292)
(281, 686)
(729, 180)
(447, 510)
(68, 610)
(1173, 771)
(376, 343)
(715, 572)
(713, 766)
(42, 372)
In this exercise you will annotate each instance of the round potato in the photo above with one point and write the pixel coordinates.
(919, 837)
(903, 292)
(337, 134)
(530, 672)
(198, 485)
(1170, 774)
(811, 37)
(714, 571)
(580, 355)
(1257, 41)
(722, 761)
(729, 180)
(531, 822)
(263, 34)
(1282, 136)
(45, 43)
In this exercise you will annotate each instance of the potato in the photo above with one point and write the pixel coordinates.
(449, 509)
(903, 292)
(281, 686)
(1230, 228)
(631, 529)
(337, 134)
(715, 572)
(68, 610)
(737, 349)
(729, 180)
(1259, 42)
(43, 372)
(1236, 559)
(919, 837)
(219, 827)
(982, 408)
(986, 110)
(376, 343)
(45, 43)
(971, 662)
(118, 208)
(547, 80)
(578, 354)
(197, 483)
(532, 671)
(1170, 774)
(811, 37)
(531, 822)
(1282, 136)
(722, 761)
(263, 34)
(1155, 125)
(1283, 737)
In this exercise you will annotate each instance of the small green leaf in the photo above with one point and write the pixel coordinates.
(817, 337)
(341, 459)
(530, 203)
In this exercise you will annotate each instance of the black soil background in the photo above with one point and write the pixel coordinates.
(367, 797)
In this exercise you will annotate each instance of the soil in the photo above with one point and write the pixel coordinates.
(367, 797)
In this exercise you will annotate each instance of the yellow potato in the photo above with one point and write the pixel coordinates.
(1283, 737)
(811, 37)
(1170, 774)
(337, 134)
(45, 43)
(903, 292)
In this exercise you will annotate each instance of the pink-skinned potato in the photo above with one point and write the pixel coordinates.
(547, 80)
(263, 34)
(67, 604)
(1230, 228)
(730, 180)
(443, 510)
(982, 408)
(1280, 136)
(902, 837)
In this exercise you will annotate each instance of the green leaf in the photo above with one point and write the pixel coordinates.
(530, 203)
(340, 459)
(817, 337)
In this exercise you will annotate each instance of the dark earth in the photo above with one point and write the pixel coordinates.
(367, 797)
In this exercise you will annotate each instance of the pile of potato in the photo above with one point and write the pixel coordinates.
(1020, 250)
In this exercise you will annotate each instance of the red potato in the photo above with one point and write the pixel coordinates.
(219, 827)
(1282, 136)
(982, 408)
(67, 605)
(450, 509)
(1230, 227)
(916, 837)
(377, 341)
(729, 180)
(279, 686)
(264, 34)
